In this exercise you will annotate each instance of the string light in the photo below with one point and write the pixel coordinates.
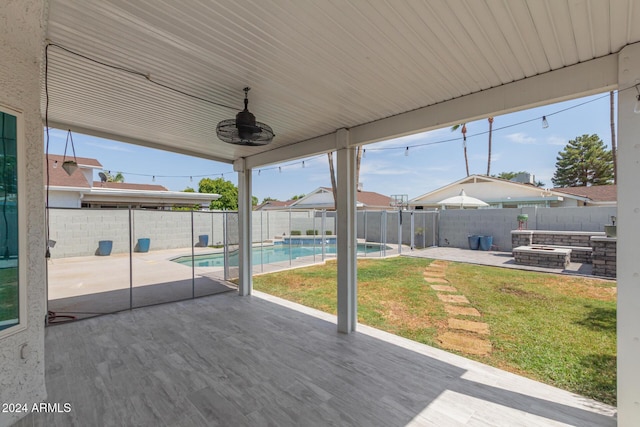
(259, 172)
(303, 164)
(406, 152)
(545, 123)
(279, 169)
(364, 153)
(190, 179)
(153, 179)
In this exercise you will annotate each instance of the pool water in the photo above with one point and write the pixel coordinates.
(270, 254)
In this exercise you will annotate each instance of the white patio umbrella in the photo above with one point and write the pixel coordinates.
(462, 201)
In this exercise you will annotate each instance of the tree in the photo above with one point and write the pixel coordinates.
(612, 121)
(188, 190)
(334, 189)
(228, 193)
(584, 161)
(118, 177)
(269, 199)
(510, 175)
(297, 197)
(332, 173)
(463, 129)
(490, 119)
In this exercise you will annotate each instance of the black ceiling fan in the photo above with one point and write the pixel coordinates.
(244, 129)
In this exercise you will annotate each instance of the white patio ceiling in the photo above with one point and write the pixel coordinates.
(317, 66)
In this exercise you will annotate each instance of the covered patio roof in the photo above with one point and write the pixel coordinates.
(380, 69)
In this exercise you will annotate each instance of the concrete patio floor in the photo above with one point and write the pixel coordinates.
(497, 259)
(262, 361)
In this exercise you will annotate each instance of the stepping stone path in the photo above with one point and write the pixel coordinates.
(466, 336)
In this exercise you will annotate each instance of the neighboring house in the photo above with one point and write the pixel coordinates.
(500, 193)
(322, 198)
(273, 205)
(595, 195)
(79, 190)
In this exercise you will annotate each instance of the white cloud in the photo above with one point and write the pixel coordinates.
(521, 138)
(109, 147)
(556, 140)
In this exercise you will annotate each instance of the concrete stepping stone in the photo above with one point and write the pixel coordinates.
(443, 288)
(433, 274)
(435, 280)
(456, 310)
(455, 299)
(469, 325)
(465, 343)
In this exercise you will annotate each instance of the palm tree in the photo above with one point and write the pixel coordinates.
(118, 177)
(490, 133)
(463, 129)
(613, 138)
(359, 153)
(332, 172)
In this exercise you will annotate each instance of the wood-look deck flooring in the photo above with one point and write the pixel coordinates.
(227, 360)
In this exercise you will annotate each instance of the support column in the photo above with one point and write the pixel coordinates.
(347, 243)
(245, 285)
(628, 269)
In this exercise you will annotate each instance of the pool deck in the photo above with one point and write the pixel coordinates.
(498, 259)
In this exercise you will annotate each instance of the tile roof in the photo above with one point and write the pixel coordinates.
(596, 193)
(59, 178)
(369, 198)
(128, 186)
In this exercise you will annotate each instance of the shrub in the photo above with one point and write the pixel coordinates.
(328, 232)
(296, 233)
(312, 232)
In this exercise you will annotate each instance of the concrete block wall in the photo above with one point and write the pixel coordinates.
(456, 225)
(78, 231)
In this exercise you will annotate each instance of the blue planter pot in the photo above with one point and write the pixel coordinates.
(474, 242)
(486, 242)
(104, 247)
(143, 245)
(203, 240)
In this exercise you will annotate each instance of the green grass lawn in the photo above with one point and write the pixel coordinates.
(560, 330)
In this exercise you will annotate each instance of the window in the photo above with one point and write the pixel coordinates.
(12, 292)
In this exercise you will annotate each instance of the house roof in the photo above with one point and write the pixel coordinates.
(596, 193)
(273, 204)
(58, 177)
(322, 197)
(129, 186)
(484, 188)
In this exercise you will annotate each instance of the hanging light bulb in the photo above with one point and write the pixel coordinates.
(55, 164)
(364, 153)
(279, 169)
(303, 164)
(259, 170)
(154, 178)
(636, 109)
(406, 152)
(545, 123)
(190, 179)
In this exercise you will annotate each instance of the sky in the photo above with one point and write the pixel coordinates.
(434, 159)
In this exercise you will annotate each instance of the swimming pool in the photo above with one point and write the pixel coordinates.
(270, 254)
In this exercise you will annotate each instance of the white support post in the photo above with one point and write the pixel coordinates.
(245, 285)
(628, 269)
(347, 244)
